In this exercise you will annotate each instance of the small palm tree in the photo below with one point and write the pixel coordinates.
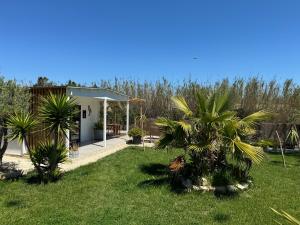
(212, 132)
(57, 113)
(48, 156)
(20, 125)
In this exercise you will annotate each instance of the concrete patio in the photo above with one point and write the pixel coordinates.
(88, 153)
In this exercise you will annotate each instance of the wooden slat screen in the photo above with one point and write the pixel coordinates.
(36, 95)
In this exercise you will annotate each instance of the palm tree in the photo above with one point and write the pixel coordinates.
(48, 156)
(57, 113)
(20, 125)
(212, 132)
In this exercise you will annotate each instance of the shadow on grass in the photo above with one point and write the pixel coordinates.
(221, 217)
(33, 179)
(226, 195)
(155, 169)
(161, 177)
(10, 172)
(162, 181)
(154, 182)
(14, 203)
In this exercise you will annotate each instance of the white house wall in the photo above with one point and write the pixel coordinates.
(14, 148)
(87, 124)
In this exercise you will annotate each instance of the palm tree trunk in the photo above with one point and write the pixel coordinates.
(36, 166)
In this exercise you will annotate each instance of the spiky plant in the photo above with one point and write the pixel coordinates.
(212, 133)
(48, 156)
(20, 125)
(57, 113)
(293, 136)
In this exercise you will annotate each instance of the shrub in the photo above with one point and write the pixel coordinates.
(222, 177)
(56, 113)
(48, 156)
(212, 135)
(135, 132)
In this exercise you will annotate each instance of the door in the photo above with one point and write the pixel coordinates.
(75, 132)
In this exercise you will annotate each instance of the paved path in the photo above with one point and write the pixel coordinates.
(87, 154)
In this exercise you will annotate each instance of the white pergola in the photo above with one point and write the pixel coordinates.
(104, 95)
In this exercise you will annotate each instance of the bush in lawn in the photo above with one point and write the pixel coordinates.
(48, 156)
(56, 113)
(217, 141)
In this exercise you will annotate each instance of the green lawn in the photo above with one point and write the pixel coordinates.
(129, 187)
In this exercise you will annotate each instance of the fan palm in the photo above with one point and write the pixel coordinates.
(212, 131)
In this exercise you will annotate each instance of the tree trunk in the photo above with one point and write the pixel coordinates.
(3, 143)
(37, 167)
(282, 153)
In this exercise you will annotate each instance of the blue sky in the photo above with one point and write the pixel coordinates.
(146, 39)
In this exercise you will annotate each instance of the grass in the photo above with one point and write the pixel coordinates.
(130, 187)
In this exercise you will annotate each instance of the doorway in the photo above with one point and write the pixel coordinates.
(75, 131)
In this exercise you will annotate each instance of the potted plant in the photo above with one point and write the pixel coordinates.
(136, 134)
(98, 130)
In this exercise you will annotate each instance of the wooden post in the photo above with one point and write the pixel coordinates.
(127, 117)
(104, 120)
(67, 139)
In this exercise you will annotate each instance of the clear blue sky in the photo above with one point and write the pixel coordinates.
(146, 39)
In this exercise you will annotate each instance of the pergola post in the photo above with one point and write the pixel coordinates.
(127, 117)
(67, 139)
(104, 120)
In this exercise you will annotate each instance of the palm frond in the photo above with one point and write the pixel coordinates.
(287, 217)
(166, 123)
(175, 132)
(211, 103)
(20, 125)
(293, 135)
(164, 141)
(201, 102)
(254, 153)
(257, 117)
(182, 105)
(228, 115)
(185, 126)
(195, 148)
(57, 112)
(230, 128)
(222, 101)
